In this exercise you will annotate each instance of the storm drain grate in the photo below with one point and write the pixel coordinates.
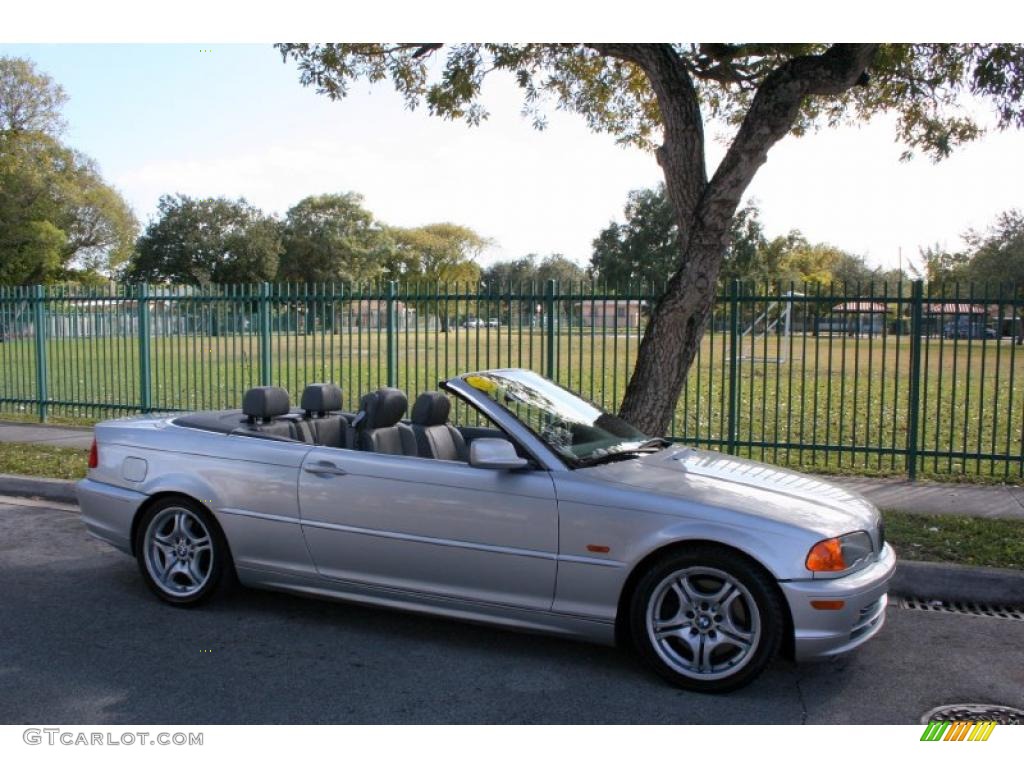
(971, 609)
(975, 713)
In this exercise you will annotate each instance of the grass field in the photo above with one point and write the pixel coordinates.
(949, 539)
(43, 461)
(824, 403)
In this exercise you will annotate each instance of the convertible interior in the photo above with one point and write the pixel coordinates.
(378, 427)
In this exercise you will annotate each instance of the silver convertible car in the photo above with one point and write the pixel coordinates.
(546, 514)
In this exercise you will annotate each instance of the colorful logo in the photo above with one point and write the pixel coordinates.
(959, 730)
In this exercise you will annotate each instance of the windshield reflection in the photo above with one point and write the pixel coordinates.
(579, 431)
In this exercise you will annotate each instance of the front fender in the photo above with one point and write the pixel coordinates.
(590, 584)
(776, 551)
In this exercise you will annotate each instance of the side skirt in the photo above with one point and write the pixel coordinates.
(508, 617)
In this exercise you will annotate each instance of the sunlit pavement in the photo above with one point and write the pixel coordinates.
(83, 640)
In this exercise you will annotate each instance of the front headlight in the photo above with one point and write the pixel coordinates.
(840, 553)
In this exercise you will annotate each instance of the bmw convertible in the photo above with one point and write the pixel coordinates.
(537, 512)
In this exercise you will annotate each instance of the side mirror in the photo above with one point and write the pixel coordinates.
(494, 453)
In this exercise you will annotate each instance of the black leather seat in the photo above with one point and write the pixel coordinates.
(435, 437)
(318, 402)
(378, 426)
(262, 406)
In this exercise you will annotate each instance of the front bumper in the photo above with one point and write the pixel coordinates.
(108, 511)
(822, 633)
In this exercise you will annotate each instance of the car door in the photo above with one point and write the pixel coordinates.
(441, 528)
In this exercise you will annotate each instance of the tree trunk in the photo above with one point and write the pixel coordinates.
(705, 208)
(672, 338)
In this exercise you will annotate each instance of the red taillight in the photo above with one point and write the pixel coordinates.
(94, 455)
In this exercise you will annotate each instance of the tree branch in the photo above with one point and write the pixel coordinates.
(682, 152)
(775, 108)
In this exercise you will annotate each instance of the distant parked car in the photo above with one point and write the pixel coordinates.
(493, 323)
(964, 329)
(472, 323)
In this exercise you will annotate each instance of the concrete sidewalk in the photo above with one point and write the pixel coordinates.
(922, 497)
(928, 498)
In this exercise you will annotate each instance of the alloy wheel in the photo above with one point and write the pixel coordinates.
(703, 623)
(178, 552)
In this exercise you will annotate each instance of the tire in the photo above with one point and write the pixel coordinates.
(706, 619)
(181, 552)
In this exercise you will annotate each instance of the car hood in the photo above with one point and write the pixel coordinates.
(713, 479)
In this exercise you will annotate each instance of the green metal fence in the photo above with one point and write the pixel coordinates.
(863, 378)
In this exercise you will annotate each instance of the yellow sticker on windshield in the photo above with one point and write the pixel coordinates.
(483, 384)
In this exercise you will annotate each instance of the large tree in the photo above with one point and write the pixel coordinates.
(30, 100)
(997, 253)
(200, 241)
(660, 95)
(533, 269)
(333, 237)
(442, 252)
(58, 218)
(997, 261)
(644, 247)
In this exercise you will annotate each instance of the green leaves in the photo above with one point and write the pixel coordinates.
(30, 101)
(645, 248)
(58, 218)
(442, 252)
(195, 242)
(333, 238)
(922, 83)
(531, 269)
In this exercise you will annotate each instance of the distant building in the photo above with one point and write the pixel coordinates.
(856, 317)
(611, 313)
(373, 313)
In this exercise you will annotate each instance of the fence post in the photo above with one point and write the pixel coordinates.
(734, 335)
(549, 314)
(145, 374)
(392, 322)
(39, 309)
(264, 317)
(914, 394)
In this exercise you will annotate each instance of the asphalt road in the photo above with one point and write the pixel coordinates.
(83, 641)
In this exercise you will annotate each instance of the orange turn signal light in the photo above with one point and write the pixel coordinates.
(826, 555)
(597, 548)
(828, 605)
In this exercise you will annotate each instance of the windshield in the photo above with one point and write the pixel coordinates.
(578, 431)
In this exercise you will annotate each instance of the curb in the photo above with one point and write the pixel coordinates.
(927, 581)
(953, 583)
(39, 487)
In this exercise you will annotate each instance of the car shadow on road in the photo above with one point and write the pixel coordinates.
(92, 644)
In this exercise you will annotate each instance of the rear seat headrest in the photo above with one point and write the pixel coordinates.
(265, 402)
(383, 408)
(320, 398)
(431, 409)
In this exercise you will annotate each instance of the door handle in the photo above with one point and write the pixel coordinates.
(324, 468)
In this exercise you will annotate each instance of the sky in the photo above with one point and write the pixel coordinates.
(208, 120)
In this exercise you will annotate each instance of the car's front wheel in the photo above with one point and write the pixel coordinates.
(706, 619)
(181, 552)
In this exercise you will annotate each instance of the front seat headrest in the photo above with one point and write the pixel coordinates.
(320, 398)
(383, 408)
(431, 409)
(265, 402)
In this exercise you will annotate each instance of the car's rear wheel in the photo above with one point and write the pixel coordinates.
(706, 619)
(181, 551)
